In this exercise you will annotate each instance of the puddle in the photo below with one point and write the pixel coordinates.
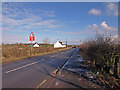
(78, 56)
(79, 59)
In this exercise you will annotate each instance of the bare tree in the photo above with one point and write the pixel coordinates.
(46, 40)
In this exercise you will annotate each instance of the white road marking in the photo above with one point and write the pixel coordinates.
(41, 84)
(67, 62)
(53, 74)
(56, 83)
(23, 66)
(43, 59)
(54, 55)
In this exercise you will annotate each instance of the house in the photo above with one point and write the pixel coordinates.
(36, 45)
(59, 44)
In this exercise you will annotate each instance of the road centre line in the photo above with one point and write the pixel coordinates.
(24, 66)
(41, 84)
(53, 74)
(53, 55)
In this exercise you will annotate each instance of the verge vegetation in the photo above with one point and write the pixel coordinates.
(102, 55)
(12, 52)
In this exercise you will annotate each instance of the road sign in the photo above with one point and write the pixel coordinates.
(32, 37)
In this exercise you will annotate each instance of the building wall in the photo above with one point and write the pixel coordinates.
(58, 45)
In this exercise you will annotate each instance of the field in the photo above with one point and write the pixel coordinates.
(12, 52)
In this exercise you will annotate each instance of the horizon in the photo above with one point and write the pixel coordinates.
(33, 43)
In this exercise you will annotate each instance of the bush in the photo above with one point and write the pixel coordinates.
(102, 52)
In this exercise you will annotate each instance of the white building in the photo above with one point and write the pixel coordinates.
(36, 45)
(59, 44)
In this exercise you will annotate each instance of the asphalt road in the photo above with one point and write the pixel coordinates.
(31, 72)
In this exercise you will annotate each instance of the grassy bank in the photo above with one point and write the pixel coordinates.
(102, 55)
(16, 52)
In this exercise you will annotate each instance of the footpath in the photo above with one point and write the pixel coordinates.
(73, 74)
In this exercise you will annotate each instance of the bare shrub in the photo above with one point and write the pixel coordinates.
(101, 52)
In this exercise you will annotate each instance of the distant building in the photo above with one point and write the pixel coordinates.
(36, 45)
(59, 44)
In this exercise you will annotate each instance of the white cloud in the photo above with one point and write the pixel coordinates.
(94, 11)
(102, 29)
(14, 19)
(14, 39)
(94, 25)
(93, 30)
(111, 6)
(22, 20)
(75, 33)
(45, 30)
(47, 24)
(75, 41)
(49, 13)
(103, 24)
(28, 23)
(106, 27)
(112, 9)
(114, 38)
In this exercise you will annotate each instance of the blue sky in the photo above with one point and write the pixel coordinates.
(63, 20)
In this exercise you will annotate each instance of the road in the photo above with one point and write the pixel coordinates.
(31, 72)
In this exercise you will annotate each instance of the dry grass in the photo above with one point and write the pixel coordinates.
(17, 52)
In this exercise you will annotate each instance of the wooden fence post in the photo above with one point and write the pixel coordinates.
(116, 67)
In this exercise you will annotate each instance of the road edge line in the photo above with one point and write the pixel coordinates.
(63, 64)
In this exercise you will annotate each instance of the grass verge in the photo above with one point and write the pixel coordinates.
(15, 52)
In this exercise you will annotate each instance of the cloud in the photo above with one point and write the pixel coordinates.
(94, 12)
(45, 30)
(76, 41)
(92, 30)
(49, 13)
(106, 27)
(75, 33)
(28, 23)
(18, 18)
(23, 11)
(102, 29)
(47, 23)
(15, 18)
(95, 26)
(14, 39)
(112, 9)
(111, 6)
(104, 24)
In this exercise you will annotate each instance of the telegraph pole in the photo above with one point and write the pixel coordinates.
(66, 44)
(31, 48)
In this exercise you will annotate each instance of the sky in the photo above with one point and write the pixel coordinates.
(74, 22)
